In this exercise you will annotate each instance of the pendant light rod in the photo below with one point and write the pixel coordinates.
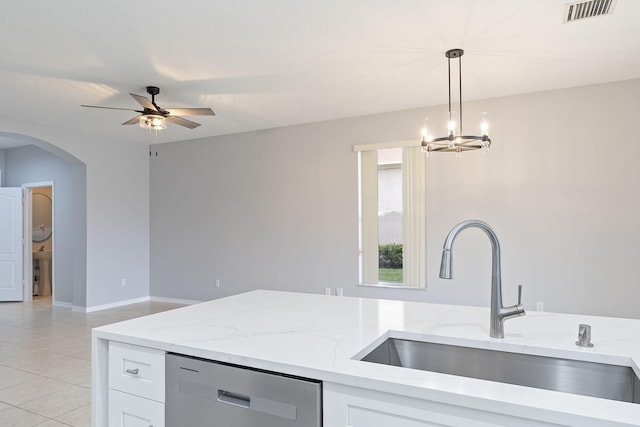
(455, 53)
(460, 83)
(449, 76)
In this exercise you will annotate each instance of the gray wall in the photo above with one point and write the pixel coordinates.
(260, 210)
(277, 209)
(2, 180)
(31, 164)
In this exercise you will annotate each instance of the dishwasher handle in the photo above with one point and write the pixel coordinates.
(235, 399)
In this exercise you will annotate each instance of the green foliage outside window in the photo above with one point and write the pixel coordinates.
(390, 255)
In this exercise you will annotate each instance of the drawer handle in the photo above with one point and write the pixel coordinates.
(235, 399)
(132, 371)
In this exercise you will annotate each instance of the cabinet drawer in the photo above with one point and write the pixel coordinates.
(136, 370)
(126, 410)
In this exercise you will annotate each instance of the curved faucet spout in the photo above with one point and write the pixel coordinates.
(499, 313)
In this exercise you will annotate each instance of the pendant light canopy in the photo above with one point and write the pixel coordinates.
(456, 141)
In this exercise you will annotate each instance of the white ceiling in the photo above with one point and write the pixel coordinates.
(263, 64)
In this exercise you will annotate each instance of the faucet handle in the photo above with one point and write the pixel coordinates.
(519, 308)
(519, 294)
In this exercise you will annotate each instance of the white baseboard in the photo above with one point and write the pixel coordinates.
(126, 302)
(113, 304)
(175, 300)
(62, 304)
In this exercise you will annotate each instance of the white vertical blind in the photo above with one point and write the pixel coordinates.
(414, 258)
(369, 216)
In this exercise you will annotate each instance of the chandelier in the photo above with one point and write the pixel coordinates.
(456, 142)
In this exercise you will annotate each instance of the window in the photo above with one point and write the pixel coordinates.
(392, 214)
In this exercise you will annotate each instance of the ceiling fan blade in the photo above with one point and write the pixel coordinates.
(144, 101)
(111, 108)
(182, 122)
(190, 111)
(133, 121)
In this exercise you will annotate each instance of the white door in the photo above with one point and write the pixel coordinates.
(10, 244)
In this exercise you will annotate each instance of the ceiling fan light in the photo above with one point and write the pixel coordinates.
(151, 121)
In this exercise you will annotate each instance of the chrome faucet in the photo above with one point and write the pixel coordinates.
(499, 313)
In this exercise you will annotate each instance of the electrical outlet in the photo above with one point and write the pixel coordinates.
(539, 306)
(217, 283)
(123, 282)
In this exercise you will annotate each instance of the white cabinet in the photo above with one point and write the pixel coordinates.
(136, 386)
(127, 410)
(345, 406)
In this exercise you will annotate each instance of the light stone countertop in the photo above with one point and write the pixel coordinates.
(317, 336)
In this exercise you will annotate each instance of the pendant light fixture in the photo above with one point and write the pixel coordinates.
(456, 141)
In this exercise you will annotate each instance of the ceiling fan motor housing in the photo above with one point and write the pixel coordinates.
(153, 90)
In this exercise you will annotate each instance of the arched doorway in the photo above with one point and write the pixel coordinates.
(26, 160)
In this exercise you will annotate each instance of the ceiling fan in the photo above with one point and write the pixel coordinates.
(152, 116)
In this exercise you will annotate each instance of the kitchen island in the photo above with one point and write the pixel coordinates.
(322, 337)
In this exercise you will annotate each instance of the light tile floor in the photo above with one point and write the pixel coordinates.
(45, 360)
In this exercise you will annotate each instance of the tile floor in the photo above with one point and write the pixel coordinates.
(45, 360)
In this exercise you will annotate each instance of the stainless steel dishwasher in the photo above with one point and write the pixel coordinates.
(205, 393)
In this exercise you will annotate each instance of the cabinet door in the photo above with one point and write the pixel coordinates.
(353, 407)
(126, 410)
(345, 406)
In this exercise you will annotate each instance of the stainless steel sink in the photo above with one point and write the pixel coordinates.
(571, 376)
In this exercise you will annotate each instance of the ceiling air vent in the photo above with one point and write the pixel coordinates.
(587, 9)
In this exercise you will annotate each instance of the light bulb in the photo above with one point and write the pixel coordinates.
(426, 136)
(452, 131)
(484, 128)
(425, 133)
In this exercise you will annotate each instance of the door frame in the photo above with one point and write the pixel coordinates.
(27, 191)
